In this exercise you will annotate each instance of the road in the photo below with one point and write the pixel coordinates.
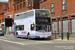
(13, 43)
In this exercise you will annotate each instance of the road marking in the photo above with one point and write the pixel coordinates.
(13, 42)
(2, 37)
(45, 41)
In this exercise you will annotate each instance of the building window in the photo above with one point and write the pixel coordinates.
(29, 3)
(43, 7)
(20, 6)
(15, 8)
(52, 8)
(23, 4)
(63, 4)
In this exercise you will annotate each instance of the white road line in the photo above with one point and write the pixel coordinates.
(45, 41)
(12, 42)
(2, 37)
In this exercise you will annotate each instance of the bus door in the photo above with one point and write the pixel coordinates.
(32, 28)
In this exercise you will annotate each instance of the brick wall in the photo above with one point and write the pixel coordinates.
(10, 10)
(2, 6)
(10, 4)
(16, 1)
(36, 4)
(1, 18)
(58, 7)
(19, 7)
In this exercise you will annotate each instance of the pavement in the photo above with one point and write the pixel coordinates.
(8, 34)
(65, 40)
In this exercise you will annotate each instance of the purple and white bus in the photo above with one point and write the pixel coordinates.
(34, 23)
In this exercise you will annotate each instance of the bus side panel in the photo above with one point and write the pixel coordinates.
(24, 34)
(31, 21)
(14, 29)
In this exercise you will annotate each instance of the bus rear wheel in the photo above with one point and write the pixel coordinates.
(17, 35)
(28, 36)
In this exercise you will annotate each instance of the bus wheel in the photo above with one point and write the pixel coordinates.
(17, 35)
(28, 36)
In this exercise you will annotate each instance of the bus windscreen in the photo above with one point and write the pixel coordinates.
(42, 13)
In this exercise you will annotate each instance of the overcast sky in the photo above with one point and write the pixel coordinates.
(3, 0)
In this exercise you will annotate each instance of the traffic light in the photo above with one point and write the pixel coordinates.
(8, 22)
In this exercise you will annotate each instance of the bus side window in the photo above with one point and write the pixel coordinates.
(17, 28)
(32, 13)
(22, 27)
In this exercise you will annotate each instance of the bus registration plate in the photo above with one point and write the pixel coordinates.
(42, 37)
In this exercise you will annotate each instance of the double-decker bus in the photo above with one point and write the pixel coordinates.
(34, 23)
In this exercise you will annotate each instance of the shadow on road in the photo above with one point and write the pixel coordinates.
(39, 39)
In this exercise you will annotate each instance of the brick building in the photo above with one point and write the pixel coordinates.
(18, 6)
(25, 5)
(2, 6)
(62, 13)
(9, 11)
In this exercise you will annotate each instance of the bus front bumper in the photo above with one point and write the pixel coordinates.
(40, 37)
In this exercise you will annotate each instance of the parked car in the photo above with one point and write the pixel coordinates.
(1, 33)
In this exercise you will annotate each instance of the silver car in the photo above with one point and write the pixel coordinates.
(1, 33)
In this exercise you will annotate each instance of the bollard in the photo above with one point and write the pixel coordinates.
(68, 36)
(68, 32)
(62, 35)
(55, 34)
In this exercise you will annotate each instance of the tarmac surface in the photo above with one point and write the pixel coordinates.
(9, 42)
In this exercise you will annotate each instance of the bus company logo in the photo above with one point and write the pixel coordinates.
(30, 21)
(24, 32)
(43, 33)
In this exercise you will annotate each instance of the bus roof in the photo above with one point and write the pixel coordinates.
(31, 10)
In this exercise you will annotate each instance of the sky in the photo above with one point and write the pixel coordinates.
(3, 0)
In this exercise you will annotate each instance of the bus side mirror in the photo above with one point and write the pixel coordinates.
(33, 25)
